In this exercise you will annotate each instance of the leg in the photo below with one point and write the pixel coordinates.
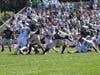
(39, 44)
(63, 49)
(36, 49)
(10, 49)
(17, 50)
(99, 47)
(52, 46)
(9, 44)
(78, 49)
(41, 47)
(46, 50)
(55, 49)
(2, 48)
(2, 44)
(30, 48)
(19, 46)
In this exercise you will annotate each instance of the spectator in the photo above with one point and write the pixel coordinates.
(29, 3)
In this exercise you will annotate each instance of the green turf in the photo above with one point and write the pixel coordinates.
(50, 64)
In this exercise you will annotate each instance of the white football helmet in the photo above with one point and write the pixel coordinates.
(24, 50)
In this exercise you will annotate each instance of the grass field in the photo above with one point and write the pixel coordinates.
(50, 64)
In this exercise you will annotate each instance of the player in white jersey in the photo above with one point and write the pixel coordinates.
(49, 40)
(85, 45)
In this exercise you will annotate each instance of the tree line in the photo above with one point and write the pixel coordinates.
(12, 5)
(16, 5)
